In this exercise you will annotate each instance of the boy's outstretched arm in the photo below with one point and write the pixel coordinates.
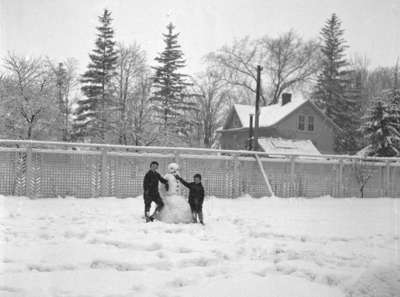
(185, 183)
(161, 179)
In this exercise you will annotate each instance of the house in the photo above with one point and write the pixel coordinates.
(291, 126)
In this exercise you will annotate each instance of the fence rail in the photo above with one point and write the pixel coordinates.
(49, 169)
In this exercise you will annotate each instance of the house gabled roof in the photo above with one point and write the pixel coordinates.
(273, 114)
(269, 115)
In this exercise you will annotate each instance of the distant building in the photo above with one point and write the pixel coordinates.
(292, 126)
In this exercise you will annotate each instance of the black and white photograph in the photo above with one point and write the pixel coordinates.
(200, 148)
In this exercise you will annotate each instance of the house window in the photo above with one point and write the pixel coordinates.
(301, 122)
(310, 123)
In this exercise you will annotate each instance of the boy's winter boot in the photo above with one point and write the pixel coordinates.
(194, 217)
(148, 217)
(201, 217)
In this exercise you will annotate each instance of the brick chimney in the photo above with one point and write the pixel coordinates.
(286, 98)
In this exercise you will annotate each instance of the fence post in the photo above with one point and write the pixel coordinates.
(236, 177)
(341, 190)
(177, 158)
(292, 174)
(104, 185)
(29, 172)
(387, 175)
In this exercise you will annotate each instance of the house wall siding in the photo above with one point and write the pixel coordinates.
(323, 135)
(239, 139)
(234, 140)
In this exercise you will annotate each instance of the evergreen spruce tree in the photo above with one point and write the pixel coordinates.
(350, 140)
(381, 128)
(396, 76)
(91, 114)
(171, 100)
(334, 92)
(393, 97)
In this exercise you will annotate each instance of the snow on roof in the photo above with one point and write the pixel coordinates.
(269, 115)
(288, 146)
(365, 152)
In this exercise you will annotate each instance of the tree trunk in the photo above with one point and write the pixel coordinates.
(29, 132)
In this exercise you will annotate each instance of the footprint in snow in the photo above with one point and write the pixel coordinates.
(216, 272)
(137, 288)
(161, 265)
(102, 231)
(184, 250)
(10, 289)
(180, 282)
(119, 266)
(48, 268)
(153, 247)
(339, 239)
(161, 255)
(7, 260)
(198, 262)
(174, 231)
(263, 272)
(221, 255)
(73, 234)
(46, 236)
(285, 269)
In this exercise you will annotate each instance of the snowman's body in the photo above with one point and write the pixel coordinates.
(176, 209)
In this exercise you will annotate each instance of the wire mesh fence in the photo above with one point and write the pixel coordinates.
(49, 169)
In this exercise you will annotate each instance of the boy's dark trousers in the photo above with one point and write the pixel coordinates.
(148, 199)
(197, 210)
(151, 194)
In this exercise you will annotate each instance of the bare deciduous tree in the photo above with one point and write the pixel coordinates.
(143, 130)
(132, 85)
(288, 63)
(237, 63)
(363, 174)
(212, 101)
(26, 98)
(65, 81)
(130, 66)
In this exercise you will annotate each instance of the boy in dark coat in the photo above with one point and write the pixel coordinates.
(196, 196)
(151, 194)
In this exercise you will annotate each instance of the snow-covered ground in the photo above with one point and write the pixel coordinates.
(249, 247)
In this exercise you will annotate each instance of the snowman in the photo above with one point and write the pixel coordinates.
(174, 185)
(176, 209)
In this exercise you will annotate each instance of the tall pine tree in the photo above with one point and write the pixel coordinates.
(335, 93)
(91, 114)
(350, 140)
(171, 100)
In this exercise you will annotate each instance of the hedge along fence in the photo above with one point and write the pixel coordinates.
(51, 169)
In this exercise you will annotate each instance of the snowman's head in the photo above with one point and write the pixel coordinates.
(173, 168)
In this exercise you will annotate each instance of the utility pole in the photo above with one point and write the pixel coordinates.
(257, 119)
(251, 137)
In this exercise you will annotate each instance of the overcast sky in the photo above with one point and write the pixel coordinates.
(61, 29)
